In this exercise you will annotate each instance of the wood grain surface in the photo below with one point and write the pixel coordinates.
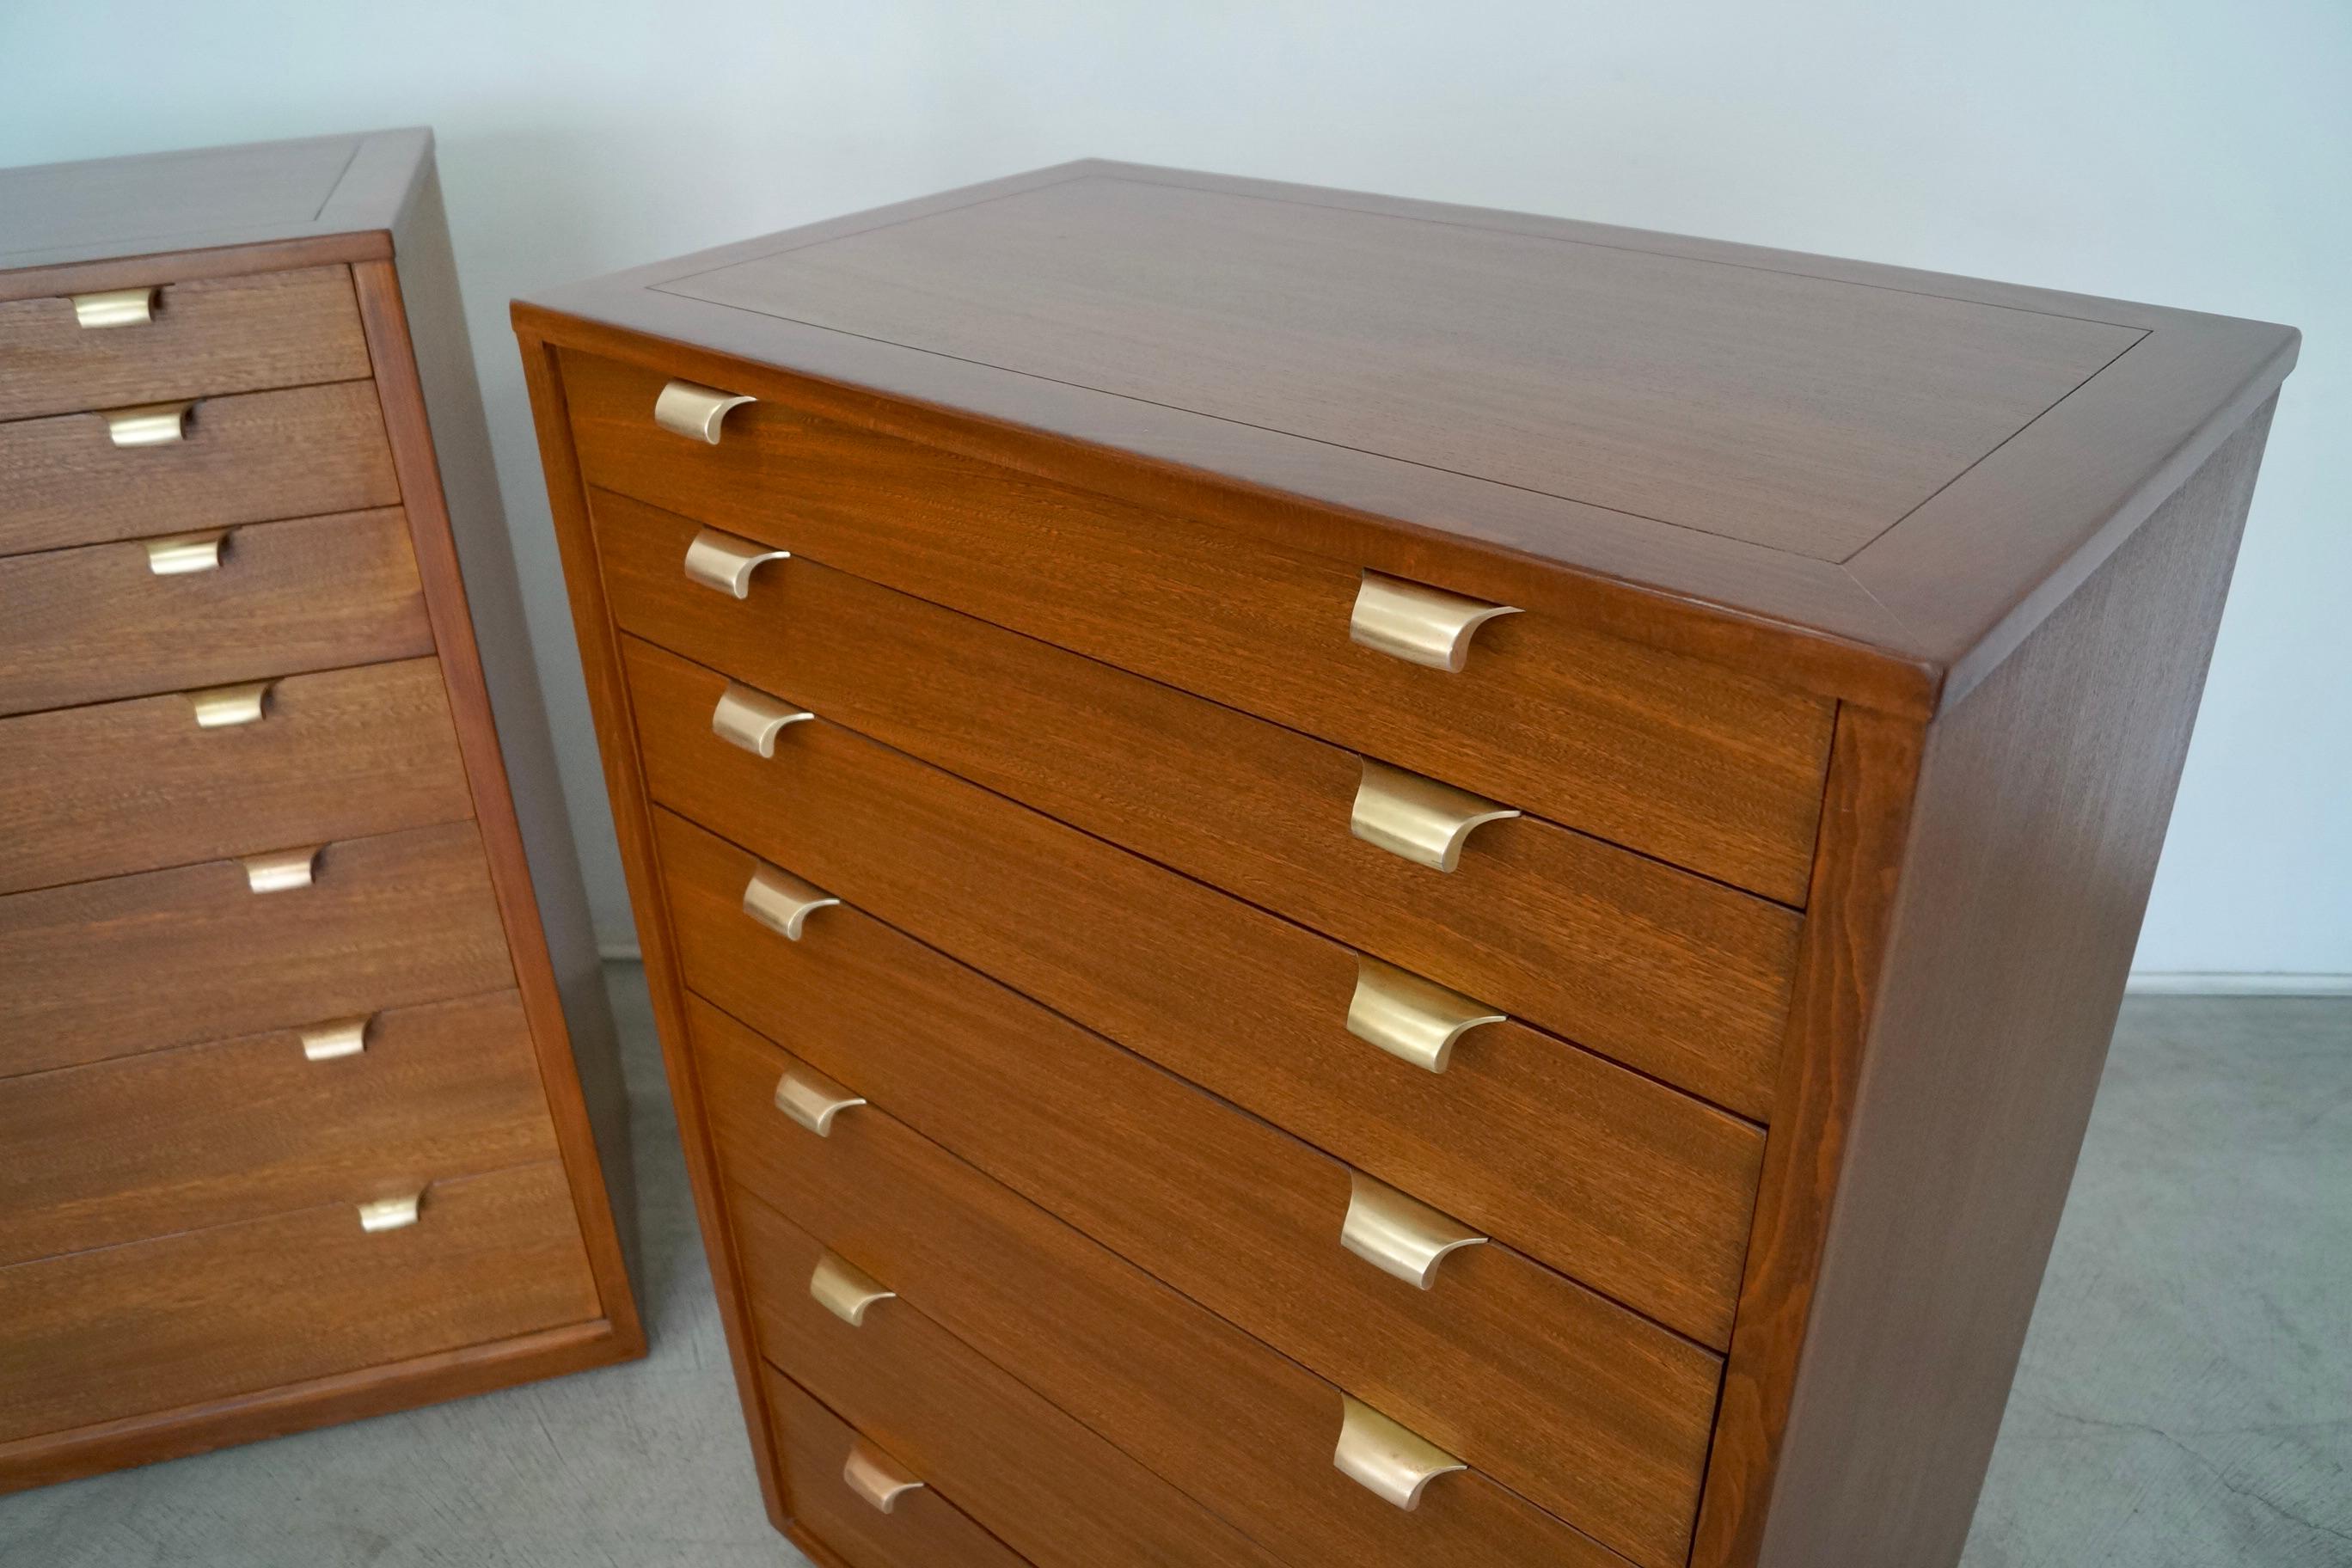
(1810, 413)
(1242, 1430)
(207, 337)
(96, 623)
(623, 781)
(103, 791)
(276, 310)
(1570, 933)
(2040, 812)
(191, 954)
(551, 952)
(923, 1530)
(1248, 1005)
(106, 223)
(211, 1314)
(1587, 1410)
(1873, 771)
(1699, 544)
(1036, 1478)
(1687, 762)
(246, 458)
(1900, 627)
(242, 1130)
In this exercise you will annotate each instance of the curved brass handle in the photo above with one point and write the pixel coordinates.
(390, 1213)
(1418, 624)
(281, 870)
(813, 1099)
(1391, 1462)
(115, 307)
(877, 1477)
(1423, 820)
(182, 553)
(781, 901)
(223, 707)
(1398, 1234)
(336, 1037)
(723, 561)
(846, 1290)
(149, 425)
(751, 719)
(1413, 1020)
(690, 408)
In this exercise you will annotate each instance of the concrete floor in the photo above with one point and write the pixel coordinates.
(2185, 1402)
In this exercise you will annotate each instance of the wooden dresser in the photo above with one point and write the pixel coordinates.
(1334, 880)
(290, 1129)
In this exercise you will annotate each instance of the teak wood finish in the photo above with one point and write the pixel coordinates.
(1860, 619)
(1232, 1211)
(94, 623)
(304, 1145)
(108, 790)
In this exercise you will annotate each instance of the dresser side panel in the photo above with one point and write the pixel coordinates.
(466, 481)
(2040, 812)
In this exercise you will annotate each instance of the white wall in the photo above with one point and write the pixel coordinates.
(2193, 155)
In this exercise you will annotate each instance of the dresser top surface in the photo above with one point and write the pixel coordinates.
(54, 215)
(1896, 460)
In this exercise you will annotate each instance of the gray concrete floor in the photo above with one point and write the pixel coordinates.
(2185, 1401)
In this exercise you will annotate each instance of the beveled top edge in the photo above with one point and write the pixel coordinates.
(1908, 624)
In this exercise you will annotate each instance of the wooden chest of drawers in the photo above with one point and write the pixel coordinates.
(1332, 879)
(289, 996)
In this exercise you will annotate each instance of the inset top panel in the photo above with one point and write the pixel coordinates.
(61, 214)
(1800, 413)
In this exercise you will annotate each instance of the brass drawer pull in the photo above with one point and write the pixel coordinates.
(690, 408)
(751, 719)
(182, 553)
(1418, 624)
(224, 707)
(877, 1477)
(281, 870)
(846, 1290)
(1413, 1020)
(336, 1037)
(1423, 820)
(390, 1213)
(723, 561)
(813, 1099)
(1385, 1458)
(115, 307)
(149, 425)
(781, 901)
(1400, 1235)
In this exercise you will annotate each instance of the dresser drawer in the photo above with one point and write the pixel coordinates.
(1617, 1180)
(99, 622)
(1234, 1213)
(1242, 1430)
(1681, 760)
(211, 1314)
(1052, 1489)
(137, 963)
(240, 1130)
(132, 786)
(1625, 956)
(920, 1530)
(201, 337)
(244, 458)
(691, 766)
